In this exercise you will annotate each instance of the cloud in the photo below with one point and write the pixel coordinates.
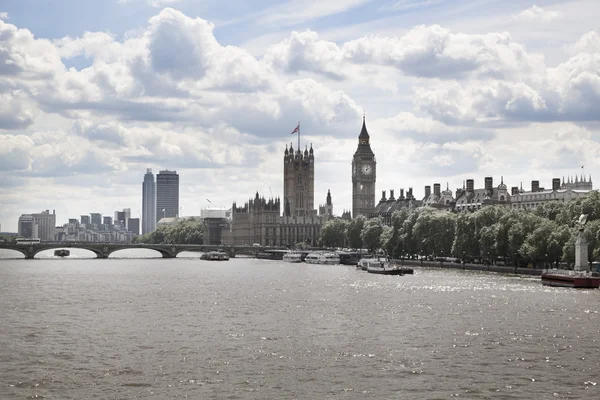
(15, 152)
(536, 13)
(424, 51)
(295, 12)
(588, 43)
(3, 15)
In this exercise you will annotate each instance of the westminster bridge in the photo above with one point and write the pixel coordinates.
(103, 250)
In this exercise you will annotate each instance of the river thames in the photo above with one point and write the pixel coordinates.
(248, 329)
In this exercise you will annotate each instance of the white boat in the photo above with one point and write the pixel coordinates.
(322, 258)
(214, 256)
(292, 256)
(364, 263)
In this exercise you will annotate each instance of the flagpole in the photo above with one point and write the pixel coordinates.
(299, 136)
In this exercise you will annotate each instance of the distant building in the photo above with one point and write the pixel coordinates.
(470, 199)
(167, 194)
(133, 225)
(27, 227)
(577, 183)
(46, 223)
(96, 220)
(387, 206)
(438, 199)
(259, 222)
(122, 217)
(562, 193)
(85, 220)
(148, 203)
(107, 221)
(326, 210)
(215, 212)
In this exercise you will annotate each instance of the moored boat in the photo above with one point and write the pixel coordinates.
(293, 257)
(349, 257)
(214, 256)
(322, 258)
(62, 253)
(271, 254)
(570, 279)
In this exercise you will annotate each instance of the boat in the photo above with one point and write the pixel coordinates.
(571, 279)
(62, 253)
(271, 254)
(214, 256)
(364, 262)
(293, 257)
(384, 267)
(349, 257)
(322, 258)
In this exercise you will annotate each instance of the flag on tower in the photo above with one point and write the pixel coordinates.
(296, 130)
(582, 167)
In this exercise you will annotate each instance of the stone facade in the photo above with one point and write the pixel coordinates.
(259, 221)
(364, 176)
(470, 199)
(438, 199)
(326, 210)
(299, 182)
(387, 206)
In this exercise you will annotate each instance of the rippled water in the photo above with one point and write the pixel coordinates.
(250, 329)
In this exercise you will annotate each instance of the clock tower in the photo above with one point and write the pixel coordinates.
(363, 176)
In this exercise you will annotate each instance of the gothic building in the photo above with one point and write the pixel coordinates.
(387, 206)
(326, 210)
(364, 175)
(438, 199)
(298, 182)
(470, 199)
(260, 221)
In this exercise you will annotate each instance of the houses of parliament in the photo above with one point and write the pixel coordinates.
(293, 219)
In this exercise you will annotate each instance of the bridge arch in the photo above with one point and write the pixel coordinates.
(8, 254)
(153, 252)
(39, 248)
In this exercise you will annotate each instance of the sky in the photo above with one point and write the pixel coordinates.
(94, 92)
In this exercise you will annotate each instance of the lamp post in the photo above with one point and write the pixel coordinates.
(546, 261)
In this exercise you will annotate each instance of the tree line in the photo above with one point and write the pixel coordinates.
(543, 235)
(184, 231)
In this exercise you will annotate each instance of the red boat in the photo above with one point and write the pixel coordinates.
(570, 279)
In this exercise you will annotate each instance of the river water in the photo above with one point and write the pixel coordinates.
(249, 329)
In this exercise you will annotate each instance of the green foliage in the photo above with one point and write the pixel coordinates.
(355, 228)
(371, 234)
(333, 233)
(184, 231)
(520, 237)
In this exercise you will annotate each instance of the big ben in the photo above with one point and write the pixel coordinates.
(364, 174)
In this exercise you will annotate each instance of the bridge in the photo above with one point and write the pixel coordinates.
(103, 250)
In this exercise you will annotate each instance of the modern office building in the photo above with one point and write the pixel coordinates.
(27, 227)
(133, 225)
(85, 220)
(167, 195)
(123, 216)
(148, 203)
(46, 223)
(96, 220)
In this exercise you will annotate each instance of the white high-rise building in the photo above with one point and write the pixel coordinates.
(148, 203)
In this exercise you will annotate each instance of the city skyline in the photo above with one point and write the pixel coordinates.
(448, 100)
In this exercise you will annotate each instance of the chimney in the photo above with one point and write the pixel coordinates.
(535, 186)
(427, 191)
(392, 194)
(383, 195)
(489, 183)
(401, 193)
(514, 190)
(556, 184)
(470, 185)
(409, 194)
(437, 189)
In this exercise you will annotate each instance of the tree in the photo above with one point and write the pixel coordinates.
(184, 231)
(371, 234)
(333, 233)
(354, 230)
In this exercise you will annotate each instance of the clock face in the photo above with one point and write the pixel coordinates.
(367, 169)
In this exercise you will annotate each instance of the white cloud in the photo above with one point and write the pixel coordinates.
(162, 3)
(588, 43)
(424, 51)
(536, 13)
(295, 12)
(3, 15)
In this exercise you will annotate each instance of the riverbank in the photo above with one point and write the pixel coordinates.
(471, 267)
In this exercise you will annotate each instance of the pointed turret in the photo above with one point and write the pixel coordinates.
(286, 151)
(363, 138)
(328, 197)
(306, 151)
